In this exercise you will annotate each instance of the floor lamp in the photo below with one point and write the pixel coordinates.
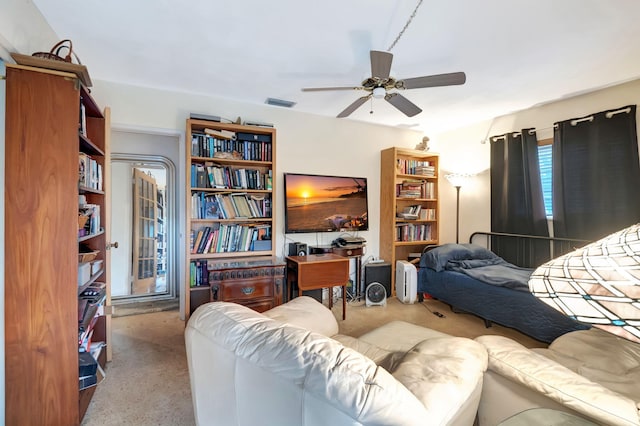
(457, 180)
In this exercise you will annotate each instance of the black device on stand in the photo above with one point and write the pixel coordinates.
(378, 272)
(298, 249)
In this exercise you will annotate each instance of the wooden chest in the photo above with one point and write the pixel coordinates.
(256, 283)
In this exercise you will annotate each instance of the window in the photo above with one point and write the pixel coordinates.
(545, 162)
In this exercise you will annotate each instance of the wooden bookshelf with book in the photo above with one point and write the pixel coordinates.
(409, 206)
(230, 198)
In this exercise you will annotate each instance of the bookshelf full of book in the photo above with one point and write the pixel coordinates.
(409, 206)
(230, 198)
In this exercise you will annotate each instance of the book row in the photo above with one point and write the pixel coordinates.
(198, 273)
(417, 212)
(230, 206)
(415, 167)
(88, 219)
(413, 232)
(203, 145)
(89, 172)
(210, 175)
(223, 238)
(416, 189)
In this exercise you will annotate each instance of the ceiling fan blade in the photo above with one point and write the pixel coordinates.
(381, 64)
(319, 89)
(449, 79)
(354, 106)
(403, 104)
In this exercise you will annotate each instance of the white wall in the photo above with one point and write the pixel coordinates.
(23, 29)
(462, 150)
(305, 143)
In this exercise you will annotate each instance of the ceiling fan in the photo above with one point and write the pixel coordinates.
(380, 84)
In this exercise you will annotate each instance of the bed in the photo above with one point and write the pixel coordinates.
(474, 280)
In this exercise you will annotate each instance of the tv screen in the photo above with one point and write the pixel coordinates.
(317, 203)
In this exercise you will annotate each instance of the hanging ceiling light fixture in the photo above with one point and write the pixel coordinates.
(597, 284)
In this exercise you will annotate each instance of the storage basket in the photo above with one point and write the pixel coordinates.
(87, 257)
(54, 53)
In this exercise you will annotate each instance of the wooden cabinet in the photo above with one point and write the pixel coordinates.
(255, 282)
(230, 180)
(409, 206)
(42, 273)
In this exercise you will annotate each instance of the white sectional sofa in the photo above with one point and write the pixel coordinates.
(589, 373)
(289, 366)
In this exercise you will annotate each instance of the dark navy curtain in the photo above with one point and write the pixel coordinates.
(517, 206)
(596, 174)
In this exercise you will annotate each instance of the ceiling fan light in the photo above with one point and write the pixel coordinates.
(379, 92)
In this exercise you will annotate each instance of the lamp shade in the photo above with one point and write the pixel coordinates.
(597, 284)
(458, 179)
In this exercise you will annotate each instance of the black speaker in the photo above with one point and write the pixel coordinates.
(378, 272)
(298, 249)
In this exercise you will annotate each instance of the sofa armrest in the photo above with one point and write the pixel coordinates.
(305, 312)
(516, 363)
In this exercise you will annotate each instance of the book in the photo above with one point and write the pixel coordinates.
(83, 169)
(211, 208)
(197, 241)
(203, 241)
(241, 205)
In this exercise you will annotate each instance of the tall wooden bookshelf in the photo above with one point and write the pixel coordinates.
(408, 183)
(51, 119)
(230, 199)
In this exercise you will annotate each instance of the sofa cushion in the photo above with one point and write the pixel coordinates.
(553, 380)
(399, 336)
(321, 367)
(443, 372)
(612, 361)
(307, 313)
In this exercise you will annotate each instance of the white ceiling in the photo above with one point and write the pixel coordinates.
(515, 53)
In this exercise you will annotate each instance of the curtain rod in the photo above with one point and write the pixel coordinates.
(573, 122)
(609, 114)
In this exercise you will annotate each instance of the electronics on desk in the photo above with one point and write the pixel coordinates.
(348, 241)
(298, 249)
(320, 249)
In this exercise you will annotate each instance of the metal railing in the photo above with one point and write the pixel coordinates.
(528, 251)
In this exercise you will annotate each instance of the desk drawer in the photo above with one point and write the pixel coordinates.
(245, 289)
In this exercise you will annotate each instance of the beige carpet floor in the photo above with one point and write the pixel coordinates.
(147, 382)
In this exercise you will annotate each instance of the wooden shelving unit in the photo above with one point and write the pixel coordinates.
(44, 137)
(225, 161)
(408, 178)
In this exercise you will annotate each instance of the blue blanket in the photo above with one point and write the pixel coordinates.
(495, 271)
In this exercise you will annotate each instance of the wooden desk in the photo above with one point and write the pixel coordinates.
(352, 251)
(318, 271)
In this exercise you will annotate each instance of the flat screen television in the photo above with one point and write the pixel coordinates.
(318, 203)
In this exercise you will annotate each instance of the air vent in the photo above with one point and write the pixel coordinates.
(279, 102)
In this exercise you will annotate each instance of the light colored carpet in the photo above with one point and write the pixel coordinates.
(147, 382)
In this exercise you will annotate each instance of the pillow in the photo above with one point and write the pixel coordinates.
(438, 257)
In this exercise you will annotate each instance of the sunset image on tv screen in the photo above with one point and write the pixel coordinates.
(325, 203)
